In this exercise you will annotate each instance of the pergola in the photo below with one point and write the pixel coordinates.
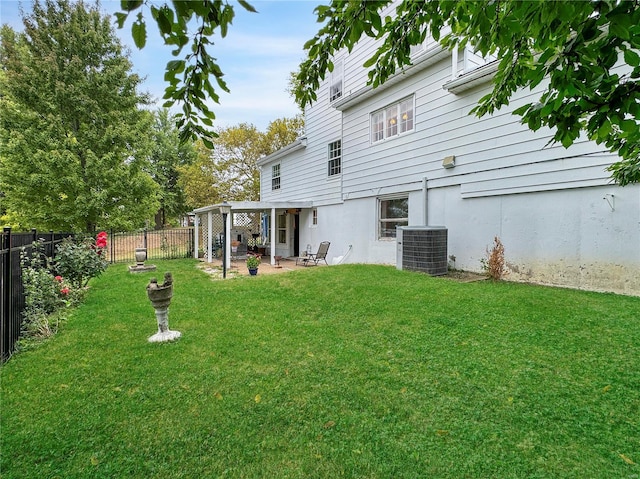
(204, 218)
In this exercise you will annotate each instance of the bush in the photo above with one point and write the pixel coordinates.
(494, 263)
(46, 295)
(80, 260)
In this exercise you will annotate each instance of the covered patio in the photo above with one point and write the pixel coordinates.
(250, 226)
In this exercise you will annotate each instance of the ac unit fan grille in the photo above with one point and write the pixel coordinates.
(425, 250)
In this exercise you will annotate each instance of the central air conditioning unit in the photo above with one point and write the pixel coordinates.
(422, 248)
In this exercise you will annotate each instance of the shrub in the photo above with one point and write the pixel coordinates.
(80, 260)
(494, 263)
(45, 294)
(253, 261)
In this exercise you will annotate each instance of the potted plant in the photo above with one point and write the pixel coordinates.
(253, 261)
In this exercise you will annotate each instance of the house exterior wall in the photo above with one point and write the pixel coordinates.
(555, 210)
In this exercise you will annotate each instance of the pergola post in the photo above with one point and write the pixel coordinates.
(196, 235)
(274, 239)
(227, 239)
(209, 236)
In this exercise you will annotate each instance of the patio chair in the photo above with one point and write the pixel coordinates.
(312, 259)
(240, 253)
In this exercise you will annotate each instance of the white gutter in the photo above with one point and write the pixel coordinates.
(475, 77)
(428, 58)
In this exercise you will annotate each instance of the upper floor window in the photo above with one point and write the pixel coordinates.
(275, 177)
(335, 158)
(335, 81)
(392, 212)
(466, 60)
(393, 120)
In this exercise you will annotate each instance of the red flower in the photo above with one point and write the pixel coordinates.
(101, 240)
(65, 291)
(58, 279)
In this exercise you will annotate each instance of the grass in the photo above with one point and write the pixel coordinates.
(348, 371)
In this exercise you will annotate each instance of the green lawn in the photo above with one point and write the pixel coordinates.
(347, 371)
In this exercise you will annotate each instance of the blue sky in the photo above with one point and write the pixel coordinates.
(257, 55)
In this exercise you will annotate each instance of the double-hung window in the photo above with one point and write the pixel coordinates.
(335, 81)
(335, 158)
(392, 212)
(275, 177)
(393, 120)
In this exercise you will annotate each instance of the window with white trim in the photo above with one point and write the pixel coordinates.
(275, 177)
(282, 228)
(335, 81)
(314, 217)
(392, 212)
(393, 120)
(335, 158)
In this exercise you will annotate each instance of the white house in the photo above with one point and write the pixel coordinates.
(409, 153)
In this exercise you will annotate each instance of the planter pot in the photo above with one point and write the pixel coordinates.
(141, 255)
(253, 271)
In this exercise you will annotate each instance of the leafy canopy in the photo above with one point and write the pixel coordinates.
(584, 55)
(189, 77)
(74, 139)
(230, 171)
(167, 157)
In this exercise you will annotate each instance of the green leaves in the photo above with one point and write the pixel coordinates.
(190, 77)
(139, 32)
(77, 137)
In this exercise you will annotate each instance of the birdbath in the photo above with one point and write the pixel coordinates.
(160, 296)
(140, 267)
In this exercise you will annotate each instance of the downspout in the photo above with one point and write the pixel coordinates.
(425, 195)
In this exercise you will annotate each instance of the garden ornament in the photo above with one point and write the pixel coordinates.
(160, 296)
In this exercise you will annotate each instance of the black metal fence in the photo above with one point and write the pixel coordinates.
(171, 243)
(12, 300)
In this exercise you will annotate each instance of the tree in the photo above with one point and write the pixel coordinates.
(577, 47)
(189, 77)
(229, 171)
(167, 157)
(283, 132)
(73, 141)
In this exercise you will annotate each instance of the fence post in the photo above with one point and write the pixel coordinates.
(113, 247)
(5, 312)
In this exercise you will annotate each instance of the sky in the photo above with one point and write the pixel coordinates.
(257, 56)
